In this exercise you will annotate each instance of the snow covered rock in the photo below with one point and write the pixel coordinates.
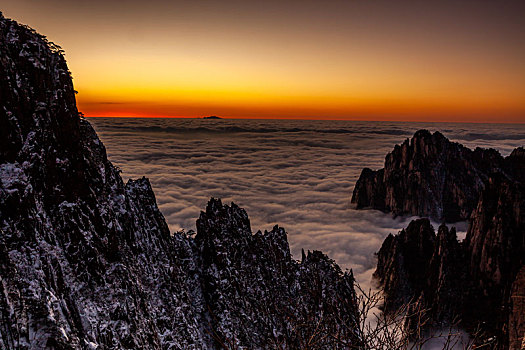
(88, 262)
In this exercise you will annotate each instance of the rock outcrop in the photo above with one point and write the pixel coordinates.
(418, 266)
(477, 281)
(87, 261)
(495, 248)
(252, 282)
(430, 176)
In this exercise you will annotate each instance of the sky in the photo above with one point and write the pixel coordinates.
(360, 60)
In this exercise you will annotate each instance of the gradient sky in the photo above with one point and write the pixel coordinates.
(376, 60)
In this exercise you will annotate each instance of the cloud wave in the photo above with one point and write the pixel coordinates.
(298, 174)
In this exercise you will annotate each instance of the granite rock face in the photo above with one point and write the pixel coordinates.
(87, 261)
(477, 281)
(418, 266)
(430, 176)
(495, 245)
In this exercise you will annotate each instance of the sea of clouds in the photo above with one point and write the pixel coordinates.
(295, 173)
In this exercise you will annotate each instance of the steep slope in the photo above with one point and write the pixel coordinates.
(495, 247)
(476, 281)
(429, 176)
(417, 265)
(83, 254)
(87, 261)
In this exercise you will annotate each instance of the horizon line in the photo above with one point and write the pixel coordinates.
(306, 119)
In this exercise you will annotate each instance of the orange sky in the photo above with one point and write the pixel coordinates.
(376, 60)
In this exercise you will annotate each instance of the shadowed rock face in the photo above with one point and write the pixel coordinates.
(477, 280)
(403, 264)
(87, 261)
(432, 177)
(495, 245)
(517, 314)
(417, 265)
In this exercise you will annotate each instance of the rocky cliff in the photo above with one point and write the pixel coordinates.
(431, 176)
(419, 266)
(477, 281)
(495, 245)
(87, 261)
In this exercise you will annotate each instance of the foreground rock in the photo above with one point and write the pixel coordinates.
(87, 261)
(431, 176)
(478, 282)
(517, 313)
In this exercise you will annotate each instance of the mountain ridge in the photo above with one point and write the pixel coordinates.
(477, 281)
(430, 176)
(87, 261)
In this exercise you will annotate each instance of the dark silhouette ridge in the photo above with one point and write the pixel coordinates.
(478, 281)
(430, 176)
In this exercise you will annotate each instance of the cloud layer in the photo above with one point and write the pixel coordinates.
(298, 174)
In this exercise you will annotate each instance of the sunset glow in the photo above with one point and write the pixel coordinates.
(451, 61)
